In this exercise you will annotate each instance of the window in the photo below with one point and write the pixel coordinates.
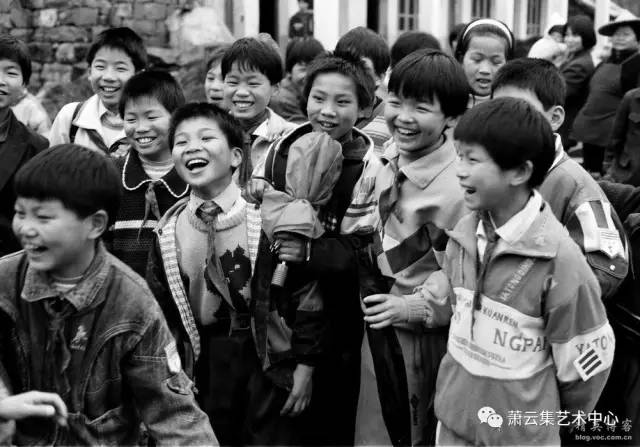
(481, 8)
(407, 15)
(534, 17)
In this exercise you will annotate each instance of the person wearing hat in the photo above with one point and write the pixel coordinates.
(611, 79)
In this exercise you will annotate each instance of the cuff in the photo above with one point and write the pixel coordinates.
(416, 308)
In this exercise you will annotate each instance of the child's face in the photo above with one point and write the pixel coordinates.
(416, 126)
(486, 186)
(247, 92)
(202, 156)
(299, 75)
(11, 83)
(332, 106)
(214, 85)
(146, 124)
(485, 55)
(55, 239)
(110, 69)
(573, 41)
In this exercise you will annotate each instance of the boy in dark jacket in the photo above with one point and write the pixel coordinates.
(17, 143)
(78, 322)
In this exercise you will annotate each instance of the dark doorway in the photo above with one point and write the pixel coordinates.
(269, 17)
(373, 15)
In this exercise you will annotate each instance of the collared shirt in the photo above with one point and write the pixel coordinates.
(513, 229)
(38, 285)
(559, 153)
(225, 200)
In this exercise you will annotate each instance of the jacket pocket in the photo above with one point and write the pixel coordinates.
(114, 427)
(179, 383)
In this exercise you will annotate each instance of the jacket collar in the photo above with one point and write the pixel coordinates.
(134, 177)
(90, 114)
(272, 128)
(424, 170)
(38, 285)
(560, 155)
(15, 145)
(538, 241)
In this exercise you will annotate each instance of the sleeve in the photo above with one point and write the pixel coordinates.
(162, 392)
(432, 304)
(597, 230)
(625, 199)
(581, 339)
(619, 131)
(309, 326)
(575, 76)
(59, 132)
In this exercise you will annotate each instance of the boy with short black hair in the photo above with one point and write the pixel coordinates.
(115, 56)
(526, 306)
(252, 71)
(411, 41)
(149, 180)
(410, 197)
(573, 195)
(17, 143)
(80, 323)
(287, 101)
(370, 47)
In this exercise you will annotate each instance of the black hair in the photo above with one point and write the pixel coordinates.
(16, 51)
(362, 42)
(425, 74)
(302, 50)
(409, 42)
(497, 28)
(124, 39)
(582, 25)
(84, 180)
(353, 69)
(155, 84)
(512, 131)
(252, 54)
(229, 125)
(539, 76)
(454, 34)
(216, 55)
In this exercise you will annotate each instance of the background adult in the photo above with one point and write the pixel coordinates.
(611, 79)
(580, 38)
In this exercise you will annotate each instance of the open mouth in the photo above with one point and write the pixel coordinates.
(485, 83)
(109, 90)
(33, 249)
(327, 126)
(196, 163)
(406, 132)
(143, 141)
(468, 190)
(242, 105)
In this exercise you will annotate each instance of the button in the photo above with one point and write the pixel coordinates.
(612, 267)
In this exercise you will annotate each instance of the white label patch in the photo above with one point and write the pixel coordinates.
(589, 363)
(173, 358)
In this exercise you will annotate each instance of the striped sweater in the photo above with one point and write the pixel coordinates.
(131, 235)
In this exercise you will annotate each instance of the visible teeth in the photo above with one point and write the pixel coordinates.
(405, 131)
(144, 140)
(32, 247)
(109, 89)
(242, 104)
(196, 163)
(325, 124)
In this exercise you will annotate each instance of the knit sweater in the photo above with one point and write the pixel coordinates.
(131, 235)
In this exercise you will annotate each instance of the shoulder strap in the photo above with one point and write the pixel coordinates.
(73, 129)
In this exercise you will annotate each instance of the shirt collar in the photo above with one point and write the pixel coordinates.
(559, 154)
(424, 170)
(513, 229)
(225, 200)
(38, 284)
(90, 114)
(134, 177)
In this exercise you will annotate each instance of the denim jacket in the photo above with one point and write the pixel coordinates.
(129, 374)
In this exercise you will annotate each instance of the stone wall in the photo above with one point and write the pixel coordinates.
(59, 32)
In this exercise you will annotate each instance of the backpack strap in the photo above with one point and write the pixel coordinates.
(73, 129)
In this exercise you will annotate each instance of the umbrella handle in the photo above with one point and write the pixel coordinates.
(280, 274)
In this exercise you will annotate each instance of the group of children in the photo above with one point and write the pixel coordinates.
(493, 251)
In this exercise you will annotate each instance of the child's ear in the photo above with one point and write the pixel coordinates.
(98, 223)
(450, 122)
(236, 157)
(521, 174)
(556, 114)
(275, 88)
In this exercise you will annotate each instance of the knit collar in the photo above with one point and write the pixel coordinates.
(134, 177)
(230, 201)
(38, 285)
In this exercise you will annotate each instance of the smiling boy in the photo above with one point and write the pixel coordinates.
(17, 143)
(78, 322)
(115, 56)
(512, 259)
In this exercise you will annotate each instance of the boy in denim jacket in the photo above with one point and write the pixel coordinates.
(78, 322)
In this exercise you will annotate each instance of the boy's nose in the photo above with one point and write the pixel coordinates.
(328, 110)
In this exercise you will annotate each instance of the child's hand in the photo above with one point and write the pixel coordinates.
(291, 247)
(255, 190)
(300, 395)
(384, 310)
(34, 404)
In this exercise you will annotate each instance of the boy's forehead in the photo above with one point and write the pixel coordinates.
(515, 91)
(34, 202)
(113, 53)
(6, 63)
(245, 68)
(334, 80)
(144, 102)
(198, 123)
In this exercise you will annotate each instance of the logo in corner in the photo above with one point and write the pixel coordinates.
(488, 415)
